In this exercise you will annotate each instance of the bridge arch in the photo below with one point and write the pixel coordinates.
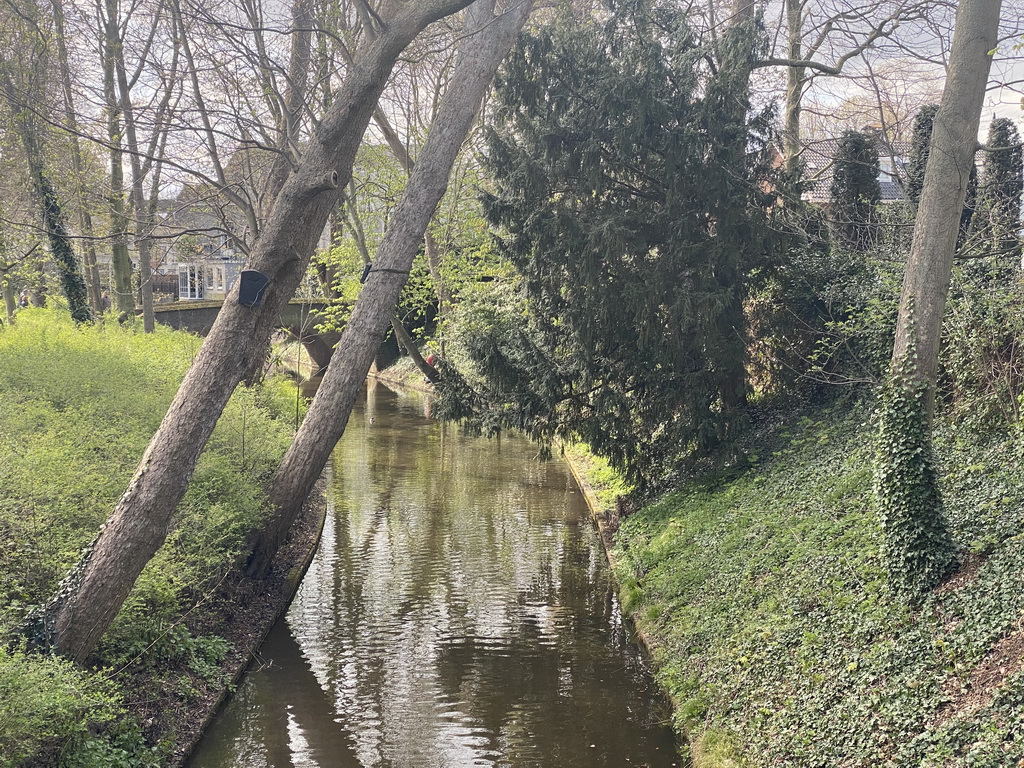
(299, 318)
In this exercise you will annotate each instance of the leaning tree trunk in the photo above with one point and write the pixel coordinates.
(488, 40)
(950, 159)
(917, 546)
(90, 597)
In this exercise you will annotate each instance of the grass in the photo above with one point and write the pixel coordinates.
(77, 408)
(774, 631)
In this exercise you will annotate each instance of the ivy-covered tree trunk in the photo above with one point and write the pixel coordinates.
(951, 156)
(92, 274)
(60, 247)
(917, 542)
(90, 597)
(54, 222)
(486, 42)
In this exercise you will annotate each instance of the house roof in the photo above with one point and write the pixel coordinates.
(818, 158)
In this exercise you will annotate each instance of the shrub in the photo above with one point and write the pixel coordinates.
(49, 705)
(77, 408)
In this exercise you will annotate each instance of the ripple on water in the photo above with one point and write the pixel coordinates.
(457, 614)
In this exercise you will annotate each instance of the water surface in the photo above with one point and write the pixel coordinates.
(458, 613)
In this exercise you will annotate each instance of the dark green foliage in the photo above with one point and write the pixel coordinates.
(855, 193)
(970, 204)
(982, 369)
(916, 544)
(63, 254)
(633, 206)
(996, 223)
(919, 145)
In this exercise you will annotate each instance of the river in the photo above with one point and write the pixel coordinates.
(459, 612)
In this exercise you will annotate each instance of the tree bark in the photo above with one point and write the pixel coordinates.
(121, 262)
(950, 159)
(91, 595)
(791, 143)
(92, 273)
(10, 303)
(51, 208)
(487, 41)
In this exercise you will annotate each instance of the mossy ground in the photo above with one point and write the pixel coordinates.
(763, 595)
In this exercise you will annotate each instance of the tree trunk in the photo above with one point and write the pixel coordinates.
(406, 342)
(92, 273)
(144, 211)
(791, 146)
(10, 303)
(950, 159)
(140, 208)
(444, 297)
(917, 547)
(92, 594)
(121, 262)
(51, 208)
(294, 98)
(487, 41)
(736, 48)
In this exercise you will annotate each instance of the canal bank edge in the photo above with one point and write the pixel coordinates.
(606, 519)
(245, 613)
(402, 374)
(602, 515)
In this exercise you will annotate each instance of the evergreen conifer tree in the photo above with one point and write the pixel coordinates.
(995, 230)
(630, 203)
(919, 144)
(855, 192)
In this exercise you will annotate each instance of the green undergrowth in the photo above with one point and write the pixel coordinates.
(607, 484)
(764, 597)
(77, 408)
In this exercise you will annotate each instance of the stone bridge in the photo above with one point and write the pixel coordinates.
(299, 318)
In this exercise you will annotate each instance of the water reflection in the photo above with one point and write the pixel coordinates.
(458, 613)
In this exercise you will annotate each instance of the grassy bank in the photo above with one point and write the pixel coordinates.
(762, 594)
(77, 408)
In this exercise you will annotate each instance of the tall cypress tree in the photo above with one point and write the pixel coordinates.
(996, 224)
(919, 144)
(918, 161)
(637, 227)
(855, 191)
